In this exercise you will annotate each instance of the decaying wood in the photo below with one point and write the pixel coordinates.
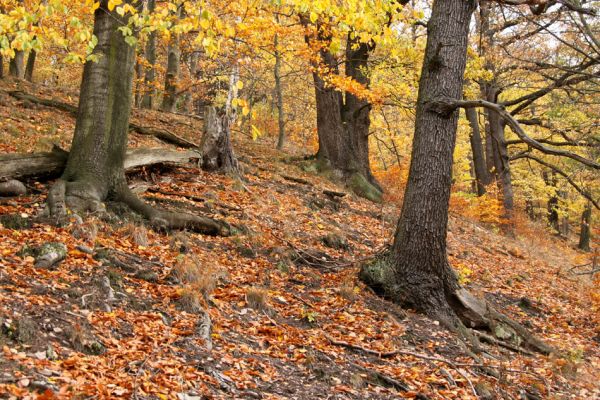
(49, 165)
(20, 165)
(161, 134)
(12, 187)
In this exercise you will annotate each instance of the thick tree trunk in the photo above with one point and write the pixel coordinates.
(30, 65)
(417, 272)
(15, 67)
(95, 167)
(422, 276)
(585, 232)
(482, 177)
(356, 111)
(343, 129)
(279, 95)
(149, 76)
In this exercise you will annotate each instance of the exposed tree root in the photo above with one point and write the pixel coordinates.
(456, 310)
(82, 197)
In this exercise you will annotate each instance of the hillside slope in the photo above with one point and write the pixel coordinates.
(273, 312)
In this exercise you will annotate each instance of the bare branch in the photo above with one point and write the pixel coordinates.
(444, 106)
(581, 191)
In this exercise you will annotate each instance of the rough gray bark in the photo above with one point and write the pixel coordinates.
(95, 167)
(279, 94)
(149, 75)
(422, 276)
(585, 230)
(216, 149)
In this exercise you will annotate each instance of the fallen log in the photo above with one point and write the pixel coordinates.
(51, 165)
(160, 134)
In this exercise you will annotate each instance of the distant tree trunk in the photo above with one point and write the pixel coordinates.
(279, 94)
(356, 111)
(149, 75)
(30, 66)
(482, 177)
(139, 70)
(216, 147)
(503, 167)
(552, 207)
(188, 103)
(172, 74)
(585, 232)
(422, 276)
(15, 66)
(1, 67)
(343, 127)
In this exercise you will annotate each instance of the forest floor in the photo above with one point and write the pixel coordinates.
(288, 317)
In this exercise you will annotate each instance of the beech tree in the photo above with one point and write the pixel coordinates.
(95, 170)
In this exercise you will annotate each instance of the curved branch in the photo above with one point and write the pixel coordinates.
(581, 191)
(445, 105)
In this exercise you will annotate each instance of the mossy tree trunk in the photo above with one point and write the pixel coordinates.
(95, 168)
(343, 119)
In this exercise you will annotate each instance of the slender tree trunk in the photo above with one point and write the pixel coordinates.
(30, 66)
(422, 276)
(139, 71)
(503, 167)
(482, 177)
(553, 202)
(149, 75)
(585, 232)
(1, 67)
(172, 74)
(279, 94)
(188, 103)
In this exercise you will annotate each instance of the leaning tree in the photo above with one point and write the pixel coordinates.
(416, 271)
(94, 172)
